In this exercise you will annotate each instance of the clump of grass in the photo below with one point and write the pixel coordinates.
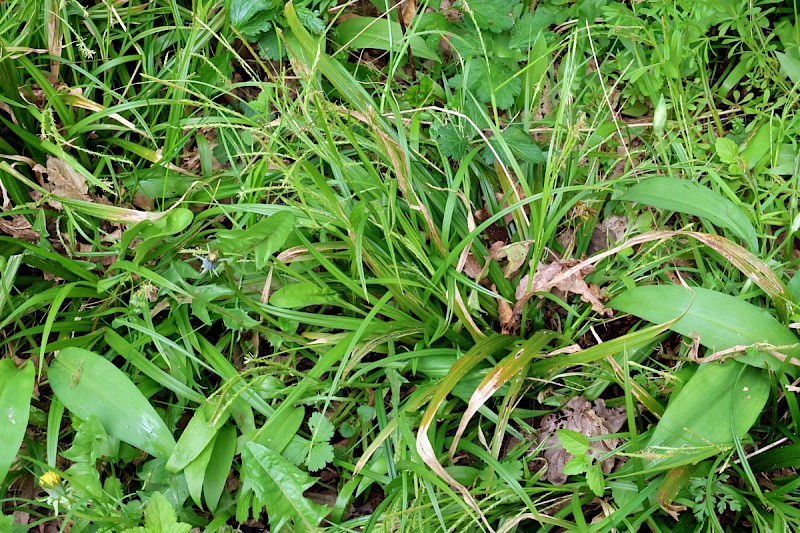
(353, 274)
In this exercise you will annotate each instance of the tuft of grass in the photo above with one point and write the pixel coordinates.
(351, 266)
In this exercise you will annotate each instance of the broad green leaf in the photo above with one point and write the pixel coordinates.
(281, 225)
(380, 34)
(251, 17)
(280, 485)
(200, 431)
(176, 221)
(531, 25)
(87, 384)
(692, 198)
(219, 466)
(195, 473)
(160, 517)
(758, 145)
(577, 465)
(790, 66)
(594, 478)
(701, 419)
(494, 79)
(299, 295)
(721, 321)
(492, 15)
(726, 149)
(268, 234)
(573, 442)
(16, 387)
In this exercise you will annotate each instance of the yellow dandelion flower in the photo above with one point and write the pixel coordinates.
(49, 480)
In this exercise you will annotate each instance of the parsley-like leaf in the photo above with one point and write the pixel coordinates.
(320, 451)
(521, 145)
(320, 454)
(251, 17)
(310, 19)
(270, 45)
(321, 428)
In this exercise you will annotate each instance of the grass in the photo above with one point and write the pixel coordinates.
(505, 266)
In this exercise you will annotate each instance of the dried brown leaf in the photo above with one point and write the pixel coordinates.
(496, 250)
(549, 277)
(472, 267)
(143, 202)
(19, 228)
(64, 181)
(408, 10)
(506, 315)
(592, 421)
(610, 231)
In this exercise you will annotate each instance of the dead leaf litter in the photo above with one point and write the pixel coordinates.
(590, 420)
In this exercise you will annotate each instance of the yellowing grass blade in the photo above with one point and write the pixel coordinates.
(506, 369)
(481, 350)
